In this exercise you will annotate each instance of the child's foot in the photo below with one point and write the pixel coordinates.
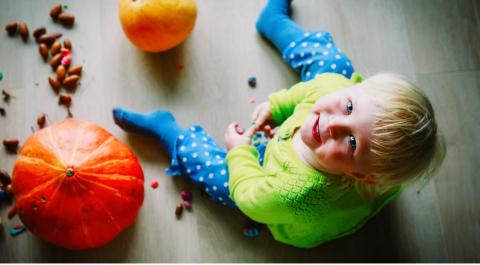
(141, 123)
(271, 11)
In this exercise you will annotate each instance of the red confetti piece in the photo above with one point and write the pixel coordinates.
(66, 60)
(253, 100)
(186, 195)
(180, 66)
(187, 204)
(154, 184)
(18, 227)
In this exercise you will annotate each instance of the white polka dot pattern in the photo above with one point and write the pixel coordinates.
(315, 53)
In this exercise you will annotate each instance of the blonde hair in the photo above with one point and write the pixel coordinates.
(406, 145)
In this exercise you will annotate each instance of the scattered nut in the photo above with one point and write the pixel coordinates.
(55, 11)
(41, 120)
(6, 96)
(11, 28)
(55, 61)
(66, 20)
(71, 81)
(65, 100)
(69, 113)
(55, 84)
(48, 39)
(2, 112)
(75, 70)
(5, 178)
(61, 72)
(43, 49)
(23, 30)
(56, 47)
(11, 144)
(67, 44)
(12, 212)
(179, 210)
(9, 191)
(39, 32)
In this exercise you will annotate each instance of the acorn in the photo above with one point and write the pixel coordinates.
(23, 30)
(11, 28)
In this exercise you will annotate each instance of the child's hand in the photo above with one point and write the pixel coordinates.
(261, 115)
(235, 136)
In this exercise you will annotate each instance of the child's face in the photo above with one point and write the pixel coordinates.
(338, 131)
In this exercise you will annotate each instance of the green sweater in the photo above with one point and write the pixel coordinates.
(300, 205)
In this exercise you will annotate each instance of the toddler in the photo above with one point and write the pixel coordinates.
(345, 147)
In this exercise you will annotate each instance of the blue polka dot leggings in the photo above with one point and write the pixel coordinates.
(200, 158)
(310, 53)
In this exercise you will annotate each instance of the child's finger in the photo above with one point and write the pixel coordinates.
(231, 127)
(251, 131)
(260, 121)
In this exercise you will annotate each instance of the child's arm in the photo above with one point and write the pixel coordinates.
(254, 190)
(280, 105)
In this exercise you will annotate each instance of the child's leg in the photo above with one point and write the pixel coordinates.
(193, 153)
(312, 53)
(275, 24)
(160, 124)
(201, 159)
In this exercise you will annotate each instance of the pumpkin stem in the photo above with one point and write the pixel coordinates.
(70, 172)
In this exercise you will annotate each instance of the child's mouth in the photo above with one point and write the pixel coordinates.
(316, 131)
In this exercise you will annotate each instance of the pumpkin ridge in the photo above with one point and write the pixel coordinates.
(37, 188)
(115, 191)
(99, 202)
(75, 145)
(86, 168)
(109, 176)
(109, 140)
(57, 150)
(54, 193)
(85, 231)
(39, 161)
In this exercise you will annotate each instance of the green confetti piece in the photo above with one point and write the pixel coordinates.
(1, 75)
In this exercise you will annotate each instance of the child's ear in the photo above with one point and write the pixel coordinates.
(367, 179)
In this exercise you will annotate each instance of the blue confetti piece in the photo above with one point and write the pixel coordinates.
(251, 231)
(260, 138)
(17, 231)
(252, 81)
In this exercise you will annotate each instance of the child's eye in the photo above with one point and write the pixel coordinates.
(353, 142)
(349, 107)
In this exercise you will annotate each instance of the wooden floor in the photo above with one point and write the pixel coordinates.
(434, 42)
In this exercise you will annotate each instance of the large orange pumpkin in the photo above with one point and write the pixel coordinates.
(157, 25)
(76, 185)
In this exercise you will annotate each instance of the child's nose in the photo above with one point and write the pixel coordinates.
(337, 126)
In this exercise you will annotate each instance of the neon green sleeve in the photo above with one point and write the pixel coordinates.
(283, 102)
(254, 190)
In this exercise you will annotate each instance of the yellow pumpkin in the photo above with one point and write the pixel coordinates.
(157, 25)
